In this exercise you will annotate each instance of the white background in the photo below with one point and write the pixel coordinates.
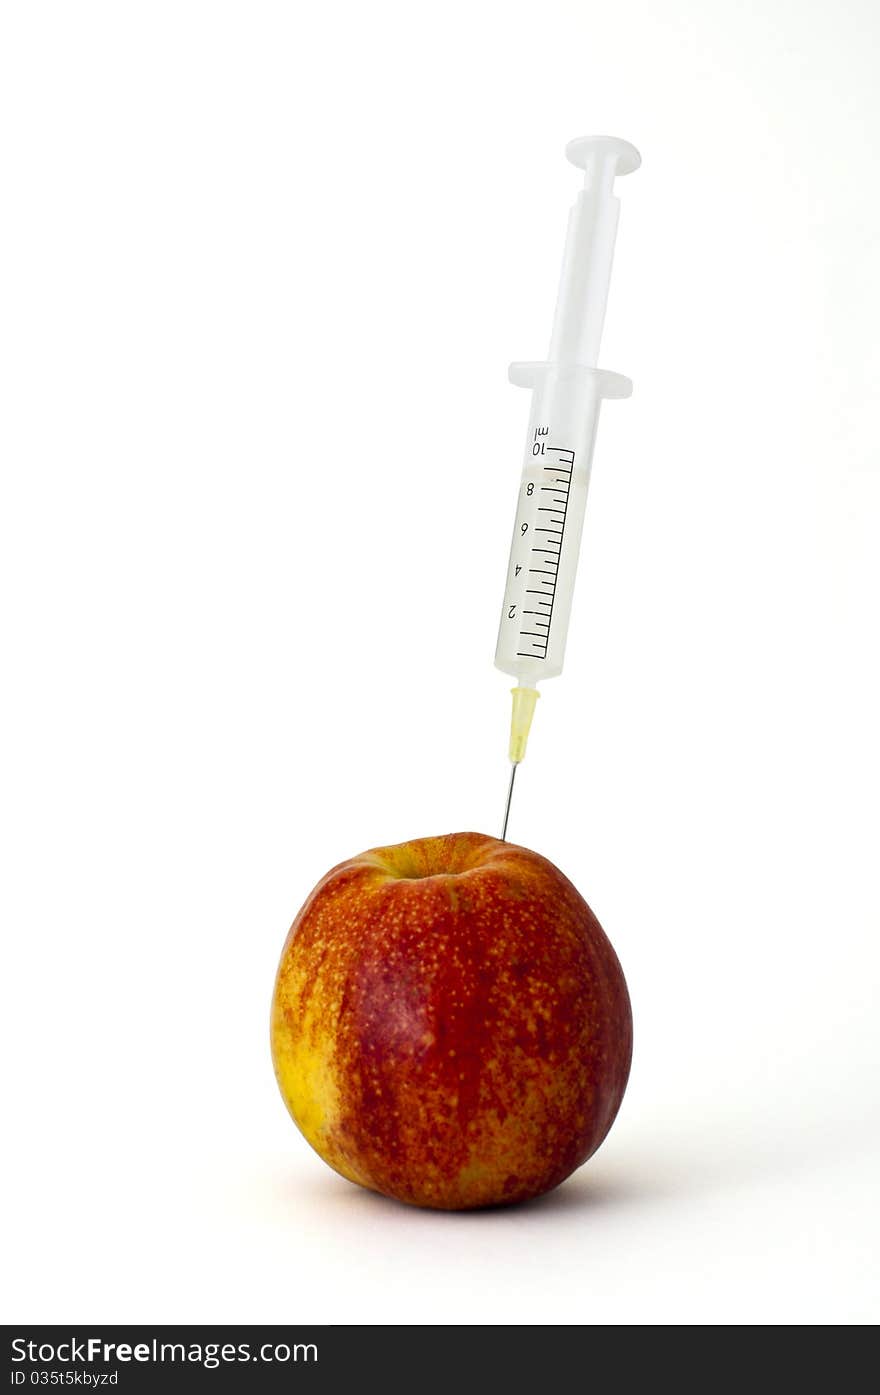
(263, 268)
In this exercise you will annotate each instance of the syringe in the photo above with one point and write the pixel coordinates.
(567, 390)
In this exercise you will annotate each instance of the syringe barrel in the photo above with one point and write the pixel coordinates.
(549, 519)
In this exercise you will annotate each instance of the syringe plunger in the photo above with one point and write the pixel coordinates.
(589, 249)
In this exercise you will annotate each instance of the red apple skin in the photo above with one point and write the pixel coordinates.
(450, 1024)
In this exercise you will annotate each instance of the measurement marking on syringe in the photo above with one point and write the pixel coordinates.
(561, 490)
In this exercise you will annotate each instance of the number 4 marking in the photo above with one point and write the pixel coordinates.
(518, 569)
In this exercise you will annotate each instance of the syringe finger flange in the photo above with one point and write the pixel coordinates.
(607, 384)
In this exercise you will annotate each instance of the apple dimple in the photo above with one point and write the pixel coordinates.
(450, 856)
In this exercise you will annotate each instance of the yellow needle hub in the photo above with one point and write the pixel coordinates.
(524, 700)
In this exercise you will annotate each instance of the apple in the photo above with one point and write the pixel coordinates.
(450, 1024)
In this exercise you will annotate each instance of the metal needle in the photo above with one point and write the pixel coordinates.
(507, 805)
